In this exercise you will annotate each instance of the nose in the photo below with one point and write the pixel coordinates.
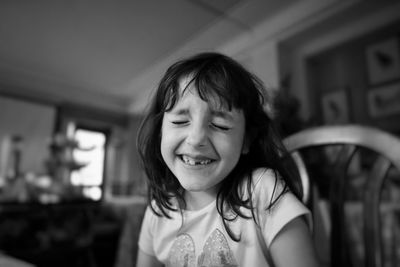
(197, 135)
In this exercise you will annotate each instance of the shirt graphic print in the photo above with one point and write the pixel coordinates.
(216, 252)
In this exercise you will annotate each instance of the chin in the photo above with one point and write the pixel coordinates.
(196, 186)
(193, 187)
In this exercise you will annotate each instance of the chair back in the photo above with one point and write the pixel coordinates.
(355, 171)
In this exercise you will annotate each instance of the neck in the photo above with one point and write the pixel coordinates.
(198, 200)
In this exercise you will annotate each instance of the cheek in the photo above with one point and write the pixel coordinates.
(231, 148)
(167, 144)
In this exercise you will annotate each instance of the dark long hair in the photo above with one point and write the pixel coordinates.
(214, 74)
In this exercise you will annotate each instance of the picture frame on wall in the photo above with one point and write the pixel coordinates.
(383, 61)
(384, 100)
(335, 107)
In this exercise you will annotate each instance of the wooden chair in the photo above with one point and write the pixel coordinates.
(352, 166)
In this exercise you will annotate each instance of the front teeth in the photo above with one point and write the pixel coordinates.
(192, 162)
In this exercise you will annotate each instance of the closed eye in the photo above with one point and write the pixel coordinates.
(220, 127)
(179, 122)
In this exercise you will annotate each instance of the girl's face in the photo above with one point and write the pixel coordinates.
(201, 142)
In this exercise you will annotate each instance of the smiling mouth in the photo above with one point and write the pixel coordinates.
(194, 162)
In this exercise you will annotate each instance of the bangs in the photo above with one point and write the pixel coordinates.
(212, 86)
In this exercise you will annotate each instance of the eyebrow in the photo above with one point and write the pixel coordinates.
(182, 111)
(222, 114)
(216, 113)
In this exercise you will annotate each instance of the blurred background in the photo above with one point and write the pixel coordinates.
(76, 76)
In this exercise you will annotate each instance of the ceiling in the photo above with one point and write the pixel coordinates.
(93, 52)
(111, 54)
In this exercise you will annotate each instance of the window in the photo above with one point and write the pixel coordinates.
(91, 152)
(101, 137)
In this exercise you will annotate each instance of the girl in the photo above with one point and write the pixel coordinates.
(219, 194)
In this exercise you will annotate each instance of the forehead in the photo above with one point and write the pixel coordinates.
(188, 87)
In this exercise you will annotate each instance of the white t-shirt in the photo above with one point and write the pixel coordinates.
(201, 240)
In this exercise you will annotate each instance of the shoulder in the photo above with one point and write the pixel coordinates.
(275, 205)
(264, 177)
(149, 216)
(266, 184)
(263, 187)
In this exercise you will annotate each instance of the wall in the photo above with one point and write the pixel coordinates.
(327, 35)
(344, 67)
(34, 123)
(128, 179)
(123, 176)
